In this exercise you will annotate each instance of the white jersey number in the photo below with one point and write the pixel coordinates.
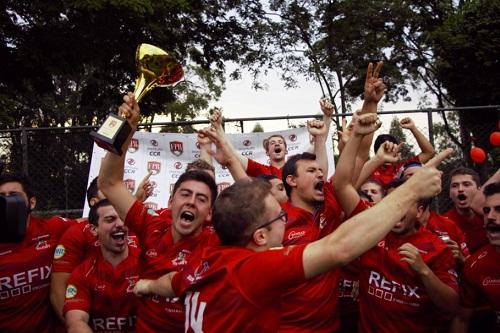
(194, 312)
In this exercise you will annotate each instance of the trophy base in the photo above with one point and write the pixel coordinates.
(112, 134)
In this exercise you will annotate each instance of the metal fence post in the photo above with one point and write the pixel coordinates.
(429, 124)
(24, 147)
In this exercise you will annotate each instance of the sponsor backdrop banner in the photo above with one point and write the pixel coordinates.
(167, 154)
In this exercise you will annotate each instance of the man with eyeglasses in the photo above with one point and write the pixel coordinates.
(237, 287)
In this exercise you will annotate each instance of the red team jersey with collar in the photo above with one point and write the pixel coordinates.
(159, 256)
(79, 242)
(25, 270)
(234, 289)
(475, 235)
(392, 297)
(255, 168)
(481, 280)
(312, 305)
(443, 226)
(387, 173)
(105, 293)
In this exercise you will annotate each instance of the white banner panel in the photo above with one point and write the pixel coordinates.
(167, 154)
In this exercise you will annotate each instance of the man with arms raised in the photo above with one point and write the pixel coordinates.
(99, 295)
(167, 241)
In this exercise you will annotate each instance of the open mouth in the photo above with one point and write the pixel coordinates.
(492, 228)
(118, 235)
(277, 150)
(461, 197)
(319, 186)
(187, 216)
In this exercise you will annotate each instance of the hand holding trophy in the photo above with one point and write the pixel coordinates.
(156, 68)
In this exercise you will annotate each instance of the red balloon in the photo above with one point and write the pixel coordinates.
(477, 155)
(495, 138)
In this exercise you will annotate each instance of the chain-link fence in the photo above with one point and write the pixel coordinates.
(57, 159)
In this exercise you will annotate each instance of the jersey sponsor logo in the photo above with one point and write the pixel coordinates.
(151, 206)
(296, 234)
(176, 147)
(42, 245)
(134, 146)
(198, 272)
(71, 291)
(152, 253)
(491, 282)
(194, 312)
(113, 324)
(24, 282)
(392, 291)
(59, 251)
(100, 287)
(180, 259)
(131, 283)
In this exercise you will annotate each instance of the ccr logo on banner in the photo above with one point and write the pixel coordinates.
(167, 154)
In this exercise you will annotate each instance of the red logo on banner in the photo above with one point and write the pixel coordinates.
(151, 205)
(178, 165)
(176, 147)
(134, 146)
(130, 161)
(247, 143)
(222, 186)
(292, 137)
(154, 167)
(130, 184)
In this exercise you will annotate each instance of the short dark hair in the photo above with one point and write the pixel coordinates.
(465, 171)
(395, 183)
(199, 164)
(93, 216)
(266, 177)
(383, 138)
(199, 176)
(491, 189)
(22, 179)
(265, 143)
(290, 168)
(92, 190)
(239, 209)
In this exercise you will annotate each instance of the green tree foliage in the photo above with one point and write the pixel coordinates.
(258, 128)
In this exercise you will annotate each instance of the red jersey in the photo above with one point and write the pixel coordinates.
(312, 305)
(255, 168)
(444, 227)
(475, 235)
(159, 256)
(234, 289)
(79, 242)
(481, 280)
(387, 173)
(392, 298)
(25, 269)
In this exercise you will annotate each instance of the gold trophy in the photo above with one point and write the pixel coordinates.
(156, 68)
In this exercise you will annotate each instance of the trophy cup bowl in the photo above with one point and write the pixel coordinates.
(156, 68)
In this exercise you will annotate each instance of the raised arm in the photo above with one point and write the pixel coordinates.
(216, 123)
(111, 172)
(427, 150)
(223, 154)
(205, 147)
(363, 231)
(342, 183)
(319, 131)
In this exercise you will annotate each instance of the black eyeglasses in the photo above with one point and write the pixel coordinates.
(282, 216)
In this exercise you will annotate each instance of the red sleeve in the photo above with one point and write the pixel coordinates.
(255, 168)
(77, 292)
(71, 249)
(469, 295)
(360, 207)
(142, 221)
(267, 274)
(59, 225)
(443, 265)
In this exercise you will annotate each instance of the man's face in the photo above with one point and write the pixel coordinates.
(407, 223)
(462, 190)
(15, 188)
(278, 190)
(276, 149)
(275, 230)
(308, 184)
(373, 190)
(491, 211)
(111, 230)
(191, 206)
